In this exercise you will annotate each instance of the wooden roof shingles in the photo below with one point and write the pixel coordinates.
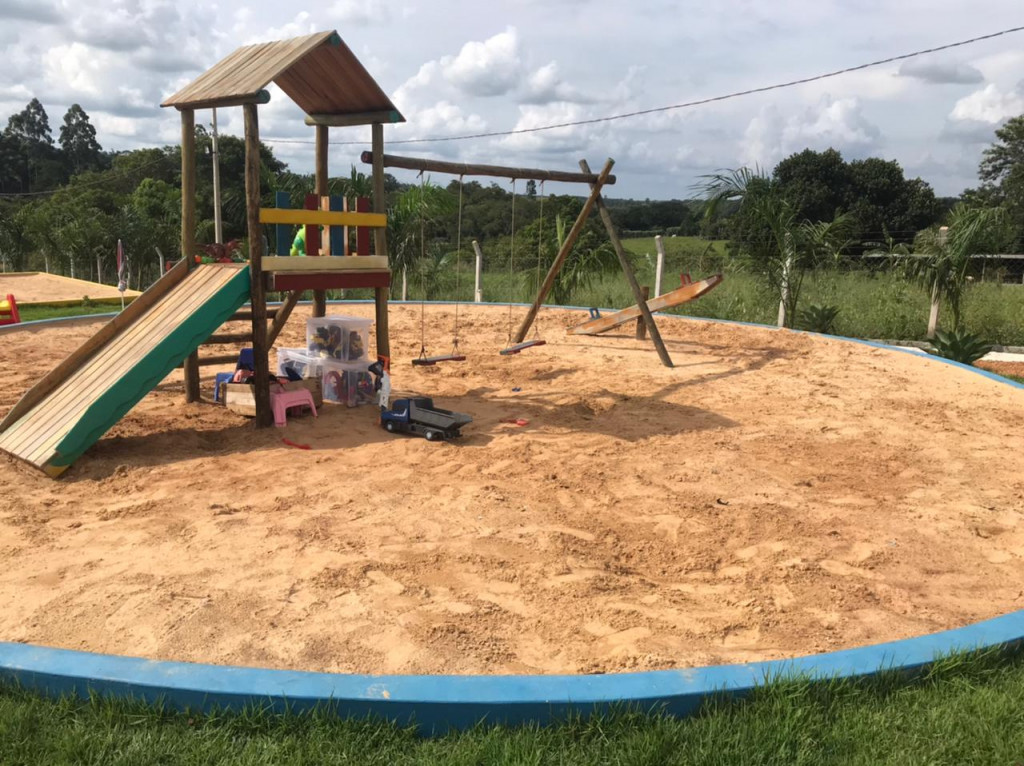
(318, 72)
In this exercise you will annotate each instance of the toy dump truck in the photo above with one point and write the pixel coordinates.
(420, 416)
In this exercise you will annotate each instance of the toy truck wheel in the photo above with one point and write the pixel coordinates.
(390, 426)
(434, 436)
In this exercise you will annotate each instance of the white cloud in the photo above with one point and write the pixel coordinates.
(836, 123)
(572, 138)
(545, 85)
(444, 118)
(360, 12)
(989, 105)
(940, 72)
(489, 68)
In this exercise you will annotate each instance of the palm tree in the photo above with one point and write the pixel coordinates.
(944, 254)
(782, 247)
(413, 219)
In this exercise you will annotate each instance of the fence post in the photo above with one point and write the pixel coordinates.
(405, 283)
(661, 264)
(478, 294)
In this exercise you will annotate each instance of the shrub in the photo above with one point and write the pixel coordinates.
(819, 318)
(960, 346)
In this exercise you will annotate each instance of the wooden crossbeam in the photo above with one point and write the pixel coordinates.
(322, 218)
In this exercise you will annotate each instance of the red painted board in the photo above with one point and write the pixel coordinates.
(312, 232)
(328, 281)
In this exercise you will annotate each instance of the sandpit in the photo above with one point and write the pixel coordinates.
(775, 494)
(35, 287)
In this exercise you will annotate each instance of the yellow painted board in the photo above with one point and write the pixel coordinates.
(321, 218)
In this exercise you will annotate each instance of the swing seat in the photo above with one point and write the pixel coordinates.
(429, 361)
(521, 346)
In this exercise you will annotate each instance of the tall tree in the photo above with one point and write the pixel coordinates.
(31, 124)
(39, 163)
(782, 245)
(817, 184)
(1002, 176)
(881, 200)
(944, 261)
(78, 141)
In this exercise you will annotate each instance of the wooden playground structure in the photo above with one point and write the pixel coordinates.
(66, 411)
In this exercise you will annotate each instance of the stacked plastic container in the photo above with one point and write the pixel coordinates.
(299, 360)
(341, 343)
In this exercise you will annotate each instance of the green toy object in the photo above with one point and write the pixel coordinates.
(299, 243)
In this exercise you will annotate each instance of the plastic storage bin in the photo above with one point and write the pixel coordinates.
(299, 359)
(348, 383)
(343, 338)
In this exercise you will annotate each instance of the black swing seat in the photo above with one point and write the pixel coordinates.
(521, 346)
(429, 361)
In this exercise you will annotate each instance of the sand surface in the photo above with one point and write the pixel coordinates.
(773, 495)
(38, 287)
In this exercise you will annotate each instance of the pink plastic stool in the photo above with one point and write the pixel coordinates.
(282, 400)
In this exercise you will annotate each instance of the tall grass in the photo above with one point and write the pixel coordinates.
(878, 302)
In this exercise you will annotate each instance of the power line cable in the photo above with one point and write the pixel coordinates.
(683, 105)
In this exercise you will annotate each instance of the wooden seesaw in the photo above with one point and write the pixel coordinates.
(688, 291)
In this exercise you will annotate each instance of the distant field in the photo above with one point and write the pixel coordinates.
(878, 304)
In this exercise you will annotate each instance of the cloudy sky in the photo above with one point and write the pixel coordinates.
(460, 67)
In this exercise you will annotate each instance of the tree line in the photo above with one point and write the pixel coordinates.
(65, 203)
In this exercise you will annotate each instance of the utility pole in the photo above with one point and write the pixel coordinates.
(218, 223)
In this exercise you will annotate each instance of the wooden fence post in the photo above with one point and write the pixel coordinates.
(478, 294)
(660, 268)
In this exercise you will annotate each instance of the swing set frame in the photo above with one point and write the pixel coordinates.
(596, 182)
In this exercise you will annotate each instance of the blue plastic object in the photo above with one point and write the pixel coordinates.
(246, 360)
(222, 377)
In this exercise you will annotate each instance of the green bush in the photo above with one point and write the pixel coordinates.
(818, 318)
(960, 346)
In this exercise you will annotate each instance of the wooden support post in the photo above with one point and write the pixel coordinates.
(320, 187)
(380, 243)
(188, 230)
(563, 252)
(282, 316)
(641, 300)
(659, 269)
(641, 328)
(257, 292)
(478, 293)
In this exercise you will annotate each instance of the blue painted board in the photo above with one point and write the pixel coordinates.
(337, 232)
(283, 233)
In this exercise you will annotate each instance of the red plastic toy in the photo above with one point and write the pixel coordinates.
(9, 310)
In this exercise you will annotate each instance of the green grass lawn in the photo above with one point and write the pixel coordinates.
(875, 304)
(33, 313)
(966, 711)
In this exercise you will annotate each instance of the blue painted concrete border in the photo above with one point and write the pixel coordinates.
(437, 704)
